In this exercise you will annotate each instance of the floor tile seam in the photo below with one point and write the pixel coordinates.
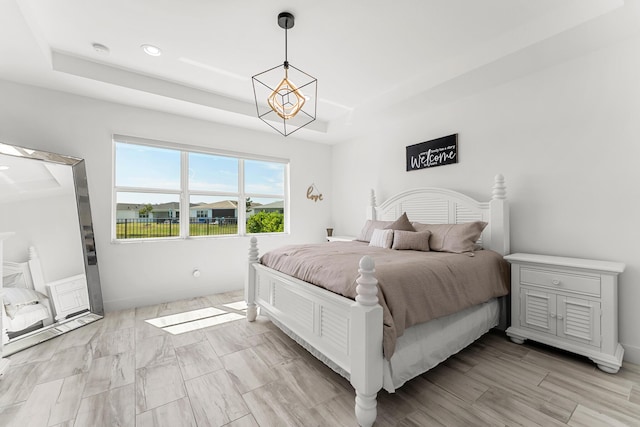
(110, 388)
(160, 406)
(230, 380)
(596, 404)
(156, 363)
(560, 376)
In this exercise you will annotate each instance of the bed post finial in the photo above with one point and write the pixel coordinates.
(371, 209)
(250, 286)
(499, 189)
(253, 249)
(367, 289)
(33, 253)
(499, 232)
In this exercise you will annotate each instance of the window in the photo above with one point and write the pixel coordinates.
(223, 193)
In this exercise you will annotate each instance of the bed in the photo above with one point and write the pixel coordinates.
(26, 306)
(347, 334)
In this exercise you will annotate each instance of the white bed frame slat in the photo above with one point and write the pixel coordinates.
(347, 334)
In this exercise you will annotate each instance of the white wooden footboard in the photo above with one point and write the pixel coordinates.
(348, 333)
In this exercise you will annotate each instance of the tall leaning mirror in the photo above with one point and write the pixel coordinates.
(50, 281)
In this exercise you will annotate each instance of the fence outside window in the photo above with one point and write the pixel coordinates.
(146, 228)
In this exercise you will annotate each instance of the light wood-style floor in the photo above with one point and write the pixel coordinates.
(121, 371)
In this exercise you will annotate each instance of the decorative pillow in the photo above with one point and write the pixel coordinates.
(456, 238)
(381, 238)
(402, 223)
(14, 298)
(369, 226)
(411, 240)
(15, 280)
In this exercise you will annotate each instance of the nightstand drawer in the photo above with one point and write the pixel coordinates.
(561, 281)
(71, 285)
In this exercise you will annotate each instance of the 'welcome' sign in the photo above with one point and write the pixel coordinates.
(437, 152)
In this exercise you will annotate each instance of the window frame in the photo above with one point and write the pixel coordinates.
(184, 194)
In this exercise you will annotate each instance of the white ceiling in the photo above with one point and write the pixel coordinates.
(372, 59)
(23, 178)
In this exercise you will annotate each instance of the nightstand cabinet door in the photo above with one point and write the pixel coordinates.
(579, 320)
(569, 318)
(537, 310)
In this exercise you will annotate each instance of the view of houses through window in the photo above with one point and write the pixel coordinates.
(223, 194)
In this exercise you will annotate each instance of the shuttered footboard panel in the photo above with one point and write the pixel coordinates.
(319, 317)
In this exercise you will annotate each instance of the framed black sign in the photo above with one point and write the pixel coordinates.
(437, 152)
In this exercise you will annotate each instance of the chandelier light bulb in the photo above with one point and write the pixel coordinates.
(286, 100)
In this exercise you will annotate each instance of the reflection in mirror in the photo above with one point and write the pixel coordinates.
(50, 282)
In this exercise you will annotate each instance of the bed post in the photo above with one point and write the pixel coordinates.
(500, 239)
(35, 269)
(250, 286)
(371, 209)
(366, 344)
(499, 217)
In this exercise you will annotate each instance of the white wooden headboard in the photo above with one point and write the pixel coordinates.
(31, 270)
(441, 206)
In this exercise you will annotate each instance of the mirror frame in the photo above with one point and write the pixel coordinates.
(96, 308)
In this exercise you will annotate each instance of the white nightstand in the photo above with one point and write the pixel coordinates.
(69, 296)
(341, 238)
(568, 303)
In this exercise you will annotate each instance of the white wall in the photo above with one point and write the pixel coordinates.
(566, 139)
(50, 224)
(136, 273)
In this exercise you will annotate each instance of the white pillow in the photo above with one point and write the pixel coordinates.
(381, 238)
(15, 280)
(14, 298)
(369, 226)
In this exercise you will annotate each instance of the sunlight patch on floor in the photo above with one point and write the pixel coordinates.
(239, 305)
(196, 319)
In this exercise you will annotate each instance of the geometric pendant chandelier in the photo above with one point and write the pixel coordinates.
(286, 97)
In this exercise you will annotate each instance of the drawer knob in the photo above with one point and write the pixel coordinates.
(553, 315)
(560, 317)
(555, 281)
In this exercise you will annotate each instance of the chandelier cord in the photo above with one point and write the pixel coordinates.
(286, 61)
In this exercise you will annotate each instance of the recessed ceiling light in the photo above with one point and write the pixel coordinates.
(151, 50)
(4, 167)
(100, 48)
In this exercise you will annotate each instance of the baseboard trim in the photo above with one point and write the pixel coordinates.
(631, 354)
(163, 297)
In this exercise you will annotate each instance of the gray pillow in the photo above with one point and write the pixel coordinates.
(402, 223)
(411, 240)
(369, 226)
(456, 238)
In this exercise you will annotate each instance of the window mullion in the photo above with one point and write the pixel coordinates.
(242, 198)
(145, 190)
(184, 194)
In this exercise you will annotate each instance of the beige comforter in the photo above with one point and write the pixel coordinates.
(414, 286)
